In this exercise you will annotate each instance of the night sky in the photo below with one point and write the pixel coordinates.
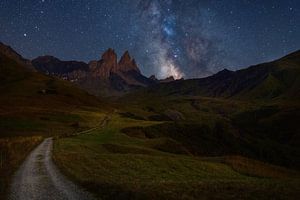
(190, 38)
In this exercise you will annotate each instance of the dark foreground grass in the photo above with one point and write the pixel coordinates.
(21, 130)
(13, 151)
(114, 165)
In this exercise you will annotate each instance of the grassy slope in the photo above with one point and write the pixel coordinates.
(118, 166)
(264, 130)
(27, 114)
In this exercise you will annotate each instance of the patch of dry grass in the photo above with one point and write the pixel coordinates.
(12, 152)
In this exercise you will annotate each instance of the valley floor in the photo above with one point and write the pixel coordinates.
(114, 165)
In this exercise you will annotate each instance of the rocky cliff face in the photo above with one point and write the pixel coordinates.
(104, 67)
(108, 65)
(127, 64)
(106, 74)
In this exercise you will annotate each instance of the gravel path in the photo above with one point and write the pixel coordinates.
(39, 178)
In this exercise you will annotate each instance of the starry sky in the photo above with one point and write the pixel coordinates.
(183, 38)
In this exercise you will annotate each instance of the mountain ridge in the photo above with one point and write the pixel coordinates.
(11, 53)
(241, 83)
(107, 76)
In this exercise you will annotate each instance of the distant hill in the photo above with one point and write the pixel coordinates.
(280, 78)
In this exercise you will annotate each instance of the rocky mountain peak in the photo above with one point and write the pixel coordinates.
(106, 65)
(127, 63)
(126, 57)
(109, 55)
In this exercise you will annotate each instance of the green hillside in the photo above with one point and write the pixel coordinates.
(122, 165)
(33, 106)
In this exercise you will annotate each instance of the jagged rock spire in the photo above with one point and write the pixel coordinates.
(126, 63)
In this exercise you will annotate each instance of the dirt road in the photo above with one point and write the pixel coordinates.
(39, 178)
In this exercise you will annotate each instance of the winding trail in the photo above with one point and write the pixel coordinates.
(39, 179)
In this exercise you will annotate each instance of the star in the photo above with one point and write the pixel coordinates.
(25, 34)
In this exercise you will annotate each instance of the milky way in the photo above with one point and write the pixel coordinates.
(177, 41)
(180, 38)
(160, 32)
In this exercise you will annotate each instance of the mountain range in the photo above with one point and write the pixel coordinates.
(279, 78)
(109, 76)
(106, 76)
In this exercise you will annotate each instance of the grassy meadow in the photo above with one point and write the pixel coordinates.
(121, 166)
